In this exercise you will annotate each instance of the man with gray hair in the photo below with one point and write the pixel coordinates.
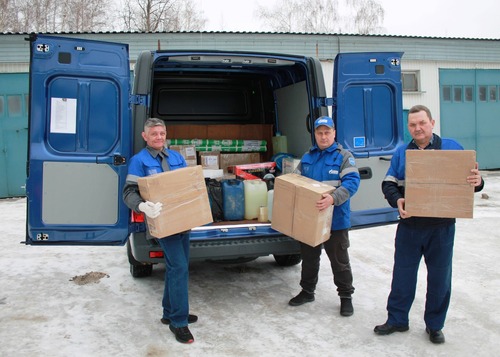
(154, 159)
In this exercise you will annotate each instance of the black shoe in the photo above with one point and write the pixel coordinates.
(346, 308)
(387, 329)
(182, 334)
(302, 298)
(435, 336)
(191, 320)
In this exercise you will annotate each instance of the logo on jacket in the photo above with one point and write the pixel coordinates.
(333, 172)
(352, 161)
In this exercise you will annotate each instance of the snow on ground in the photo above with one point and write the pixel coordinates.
(82, 301)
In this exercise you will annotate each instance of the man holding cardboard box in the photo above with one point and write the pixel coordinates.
(429, 236)
(154, 159)
(329, 163)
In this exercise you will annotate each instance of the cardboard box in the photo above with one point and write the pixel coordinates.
(436, 183)
(294, 209)
(209, 173)
(188, 152)
(253, 171)
(288, 164)
(227, 160)
(210, 159)
(185, 200)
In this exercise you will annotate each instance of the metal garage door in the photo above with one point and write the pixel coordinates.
(470, 111)
(13, 133)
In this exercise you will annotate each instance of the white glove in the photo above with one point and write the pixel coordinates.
(152, 210)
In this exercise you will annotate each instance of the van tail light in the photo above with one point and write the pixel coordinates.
(153, 254)
(137, 217)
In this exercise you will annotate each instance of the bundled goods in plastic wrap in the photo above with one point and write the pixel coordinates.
(225, 145)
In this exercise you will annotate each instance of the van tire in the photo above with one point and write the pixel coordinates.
(288, 260)
(138, 269)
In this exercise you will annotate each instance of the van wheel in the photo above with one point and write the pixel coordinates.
(138, 269)
(141, 271)
(288, 260)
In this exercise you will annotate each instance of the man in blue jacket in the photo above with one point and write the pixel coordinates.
(154, 159)
(328, 162)
(416, 236)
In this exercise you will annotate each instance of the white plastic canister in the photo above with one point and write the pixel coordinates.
(255, 197)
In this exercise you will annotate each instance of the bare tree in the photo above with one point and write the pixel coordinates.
(83, 15)
(35, 15)
(8, 19)
(53, 15)
(323, 16)
(161, 15)
(186, 18)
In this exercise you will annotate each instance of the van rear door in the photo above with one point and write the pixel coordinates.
(368, 113)
(79, 140)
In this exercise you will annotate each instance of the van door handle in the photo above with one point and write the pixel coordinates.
(116, 160)
(365, 173)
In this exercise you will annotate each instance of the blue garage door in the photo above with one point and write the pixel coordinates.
(13, 133)
(470, 111)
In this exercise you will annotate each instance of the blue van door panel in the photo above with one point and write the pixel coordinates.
(79, 114)
(367, 93)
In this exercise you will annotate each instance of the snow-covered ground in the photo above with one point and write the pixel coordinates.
(82, 301)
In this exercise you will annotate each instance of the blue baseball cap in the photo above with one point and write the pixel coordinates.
(324, 120)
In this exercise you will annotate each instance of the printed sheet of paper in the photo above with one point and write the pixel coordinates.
(63, 115)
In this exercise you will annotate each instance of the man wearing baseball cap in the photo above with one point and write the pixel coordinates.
(328, 162)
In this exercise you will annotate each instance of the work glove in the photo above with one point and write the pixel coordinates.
(150, 209)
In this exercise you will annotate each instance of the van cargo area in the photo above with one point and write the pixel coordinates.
(212, 99)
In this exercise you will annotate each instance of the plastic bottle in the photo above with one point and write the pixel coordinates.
(279, 143)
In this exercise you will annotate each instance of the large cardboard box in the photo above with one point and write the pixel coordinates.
(294, 209)
(436, 183)
(185, 200)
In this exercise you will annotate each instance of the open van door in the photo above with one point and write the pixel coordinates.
(79, 141)
(368, 113)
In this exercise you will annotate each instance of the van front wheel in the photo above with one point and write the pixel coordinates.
(288, 260)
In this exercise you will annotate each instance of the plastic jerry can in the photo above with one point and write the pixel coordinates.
(255, 197)
(233, 200)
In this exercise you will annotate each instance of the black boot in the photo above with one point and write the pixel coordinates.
(346, 308)
(302, 298)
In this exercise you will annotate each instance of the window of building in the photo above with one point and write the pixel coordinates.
(457, 93)
(1, 106)
(493, 93)
(469, 93)
(482, 93)
(410, 81)
(447, 93)
(14, 105)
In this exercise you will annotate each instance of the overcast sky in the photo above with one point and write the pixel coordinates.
(447, 18)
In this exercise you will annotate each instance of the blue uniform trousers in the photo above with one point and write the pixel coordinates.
(435, 243)
(175, 296)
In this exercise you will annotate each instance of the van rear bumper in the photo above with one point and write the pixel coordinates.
(219, 249)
